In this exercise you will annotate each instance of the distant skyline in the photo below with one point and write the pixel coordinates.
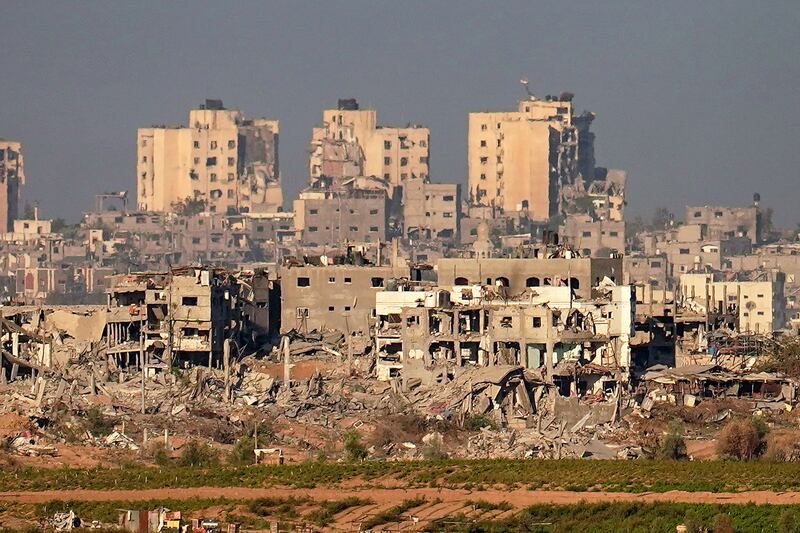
(697, 101)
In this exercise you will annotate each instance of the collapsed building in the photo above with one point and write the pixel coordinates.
(183, 317)
(351, 210)
(224, 161)
(431, 333)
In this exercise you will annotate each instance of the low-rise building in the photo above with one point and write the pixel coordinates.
(431, 333)
(578, 273)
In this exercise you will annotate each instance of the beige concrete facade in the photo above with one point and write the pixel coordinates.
(519, 160)
(395, 154)
(595, 238)
(339, 297)
(431, 210)
(518, 274)
(221, 158)
(12, 178)
(721, 223)
(757, 306)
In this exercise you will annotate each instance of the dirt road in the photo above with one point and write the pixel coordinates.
(517, 498)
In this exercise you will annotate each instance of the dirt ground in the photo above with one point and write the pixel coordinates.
(517, 498)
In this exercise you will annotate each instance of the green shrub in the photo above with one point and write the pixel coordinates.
(353, 448)
(743, 439)
(242, 452)
(474, 422)
(276, 507)
(330, 508)
(722, 524)
(788, 522)
(672, 445)
(197, 454)
(97, 423)
(693, 523)
(393, 514)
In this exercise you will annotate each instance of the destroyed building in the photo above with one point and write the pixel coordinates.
(431, 210)
(520, 160)
(337, 211)
(183, 317)
(336, 293)
(12, 179)
(351, 140)
(723, 223)
(578, 273)
(594, 238)
(431, 333)
(222, 160)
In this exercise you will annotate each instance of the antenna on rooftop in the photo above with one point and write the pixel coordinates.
(524, 82)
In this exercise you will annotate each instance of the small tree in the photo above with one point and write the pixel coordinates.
(197, 454)
(672, 445)
(693, 523)
(788, 522)
(743, 439)
(353, 448)
(783, 357)
(722, 524)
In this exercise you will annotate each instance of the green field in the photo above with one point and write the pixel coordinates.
(575, 475)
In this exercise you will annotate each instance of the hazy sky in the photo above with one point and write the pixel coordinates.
(699, 101)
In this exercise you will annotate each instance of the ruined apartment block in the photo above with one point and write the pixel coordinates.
(337, 297)
(338, 211)
(581, 346)
(724, 223)
(351, 140)
(431, 210)
(12, 179)
(221, 158)
(182, 318)
(521, 160)
(578, 273)
(594, 238)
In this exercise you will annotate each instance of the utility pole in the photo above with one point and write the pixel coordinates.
(226, 364)
(287, 377)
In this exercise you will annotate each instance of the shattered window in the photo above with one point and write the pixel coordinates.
(211, 161)
(303, 282)
(537, 322)
(231, 144)
(189, 301)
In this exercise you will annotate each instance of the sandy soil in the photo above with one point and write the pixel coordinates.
(517, 498)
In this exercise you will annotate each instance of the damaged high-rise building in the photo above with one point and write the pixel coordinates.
(350, 143)
(524, 160)
(222, 159)
(12, 178)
